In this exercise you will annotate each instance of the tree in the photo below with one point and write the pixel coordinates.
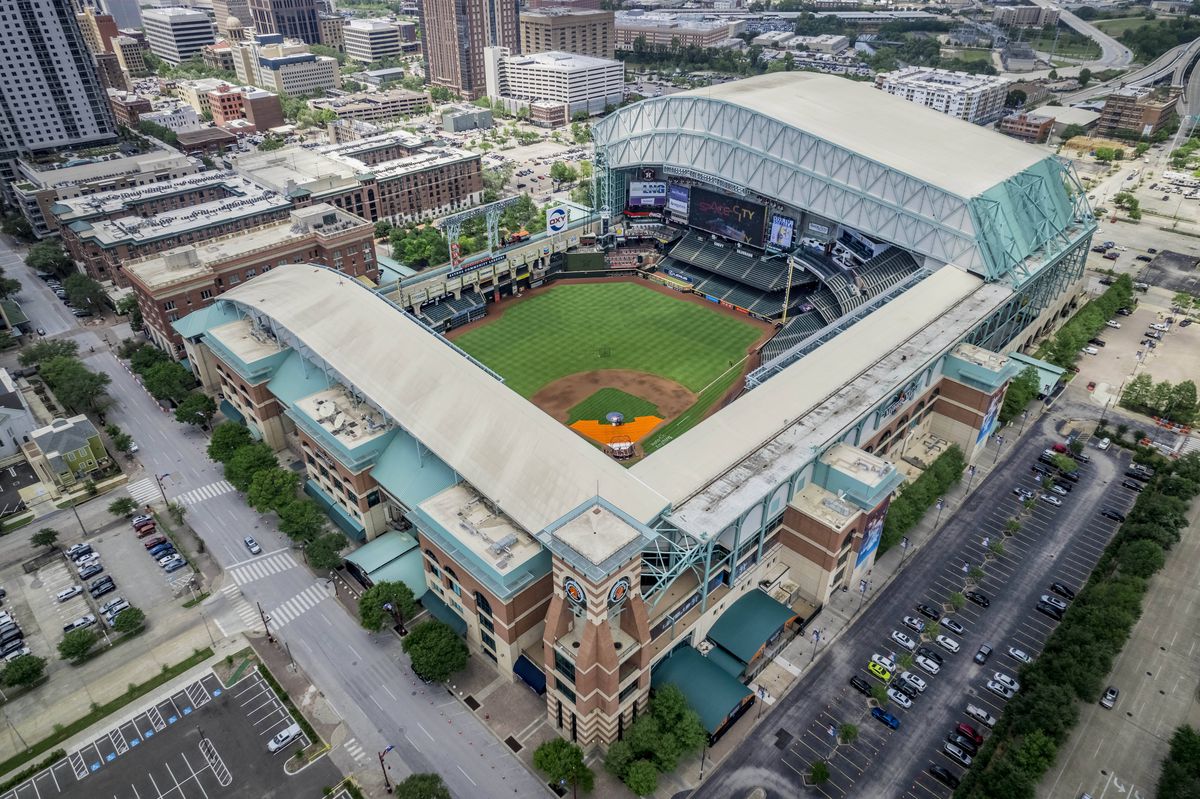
(1063, 463)
(247, 462)
(435, 650)
(818, 772)
(129, 620)
(1015, 98)
(144, 356)
(271, 142)
(128, 306)
(1180, 776)
(18, 227)
(42, 351)
(1085, 77)
(8, 287)
(197, 408)
(641, 777)
(46, 537)
(24, 671)
(422, 786)
(1141, 558)
(123, 442)
(168, 380)
(1021, 391)
(49, 257)
(76, 645)
(956, 600)
(563, 763)
(879, 693)
(560, 172)
(300, 519)
(76, 386)
(122, 506)
(618, 759)
(848, 733)
(271, 489)
(228, 438)
(386, 602)
(325, 552)
(84, 292)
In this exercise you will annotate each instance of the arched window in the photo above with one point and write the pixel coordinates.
(482, 605)
(432, 556)
(450, 573)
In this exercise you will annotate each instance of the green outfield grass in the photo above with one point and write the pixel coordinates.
(582, 327)
(597, 406)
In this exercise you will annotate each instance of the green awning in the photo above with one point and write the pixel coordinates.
(443, 612)
(231, 413)
(393, 557)
(749, 624)
(337, 514)
(1048, 373)
(727, 662)
(709, 689)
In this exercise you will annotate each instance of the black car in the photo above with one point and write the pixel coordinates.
(1115, 515)
(1062, 590)
(1080, 457)
(983, 654)
(1133, 485)
(903, 687)
(1186, 323)
(1064, 486)
(978, 598)
(1099, 342)
(1042, 470)
(943, 776)
(1050, 610)
(1124, 312)
(1145, 478)
(1071, 477)
(963, 742)
(929, 653)
(928, 612)
(860, 685)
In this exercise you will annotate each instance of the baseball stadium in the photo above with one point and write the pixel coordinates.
(646, 446)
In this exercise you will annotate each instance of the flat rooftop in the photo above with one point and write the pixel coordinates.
(108, 203)
(625, 19)
(240, 338)
(556, 59)
(942, 79)
(346, 418)
(293, 168)
(352, 149)
(992, 361)
(477, 525)
(97, 171)
(825, 507)
(868, 469)
(597, 534)
(368, 101)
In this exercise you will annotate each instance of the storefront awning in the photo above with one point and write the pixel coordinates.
(528, 671)
(749, 624)
(438, 608)
(712, 692)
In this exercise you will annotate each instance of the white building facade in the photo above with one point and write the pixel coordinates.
(583, 83)
(972, 98)
(177, 34)
(369, 40)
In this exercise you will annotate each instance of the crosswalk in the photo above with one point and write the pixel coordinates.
(261, 567)
(305, 600)
(242, 607)
(198, 495)
(355, 750)
(144, 491)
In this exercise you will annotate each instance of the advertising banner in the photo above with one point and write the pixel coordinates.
(730, 217)
(872, 534)
(989, 421)
(556, 219)
(677, 200)
(647, 194)
(783, 229)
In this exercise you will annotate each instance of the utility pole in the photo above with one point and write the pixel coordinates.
(383, 767)
(266, 622)
(158, 478)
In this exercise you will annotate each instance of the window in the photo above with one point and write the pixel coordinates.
(206, 294)
(488, 641)
(482, 604)
(169, 305)
(564, 666)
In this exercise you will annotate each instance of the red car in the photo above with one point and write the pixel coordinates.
(1060, 448)
(1092, 386)
(153, 542)
(145, 530)
(967, 731)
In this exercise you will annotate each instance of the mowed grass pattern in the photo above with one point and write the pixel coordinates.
(606, 400)
(582, 327)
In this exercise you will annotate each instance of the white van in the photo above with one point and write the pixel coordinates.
(284, 737)
(981, 715)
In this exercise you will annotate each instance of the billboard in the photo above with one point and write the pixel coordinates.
(872, 535)
(642, 194)
(990, 419)
(678, 200)
(556, 219)
(783, 228)
(730, 217)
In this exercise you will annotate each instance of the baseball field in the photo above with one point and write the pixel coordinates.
(582, 350)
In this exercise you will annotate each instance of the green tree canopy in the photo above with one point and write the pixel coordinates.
(84, 292)
(1141, 558)
(46, 537)
(49, 257)
(129, 620)
(76, 386)
(325, 551)
(300, 519)
(169, 380)
(41, 351)
(372, 613)
(197, 408)
(271, 489)
(247, 462)
(76, 645)
(228, 438)
(435, 650)
(1180, 778)
(1021, 391)
(422, 786)
(641, 778)
(122, 506)
(23, 671)
(562, 761)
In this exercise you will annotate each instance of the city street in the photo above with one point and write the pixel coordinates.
(364, 677)
(1055, 543)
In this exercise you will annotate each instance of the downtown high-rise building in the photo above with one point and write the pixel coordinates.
(455, 33)
(293, 19)
(50, 96)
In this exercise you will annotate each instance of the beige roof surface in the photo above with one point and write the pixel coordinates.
(534, 468)
(959, 157)
(692, 462)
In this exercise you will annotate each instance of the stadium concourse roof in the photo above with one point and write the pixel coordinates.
(534, 468)
(954, 155)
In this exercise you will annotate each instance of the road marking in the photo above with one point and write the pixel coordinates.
(468, 776)
(262, 566)
(198, 495)
(422, 726)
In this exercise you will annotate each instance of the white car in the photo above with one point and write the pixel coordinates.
(886, 662)
(1000, 690)
(899, 697)
(16, 653)
(1006, 681)
(1057, 489)
(927, 664)
(904, 640)
(953, 626)
(1159, 326)
(914, 681)
(1053, 500)
(1114, 324)
(981, 715)
(1090, 351)
(1019, 654)
(1104, 444)
(913, 623)
(947, 643)
(957, 754)
(67, 593)
(167, 560)
(1055, 601)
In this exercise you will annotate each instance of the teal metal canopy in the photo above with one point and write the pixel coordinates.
(712, 692)
(749, 624)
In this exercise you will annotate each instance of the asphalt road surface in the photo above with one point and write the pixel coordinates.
(1054, 543)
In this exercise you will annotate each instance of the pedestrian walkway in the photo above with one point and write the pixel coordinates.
(355, 750)
(305, 600)
(262, 567)
(198, 495)
(241, 608)
(144, 491)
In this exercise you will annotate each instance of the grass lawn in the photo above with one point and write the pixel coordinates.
(583, 327)
(605, 400)
(1067, 46)
(969, 54)
(1115, 27)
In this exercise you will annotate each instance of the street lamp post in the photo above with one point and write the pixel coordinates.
(158, 478)
(1024, 416)
(941, 503)
(387, 784)
(816, 639)
(862, 594)
(970, 477)
(999, 443)
(904, 549)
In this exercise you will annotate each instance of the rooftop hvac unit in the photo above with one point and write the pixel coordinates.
(504, 543)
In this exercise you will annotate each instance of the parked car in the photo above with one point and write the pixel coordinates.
(1050, 611)
(928, 612)
(914, 624)
(86, 620)
(1090, 351)
(1105, 443)
(957, 754)
(914, 681)
(112, 603)
(981, 715)
(1006, 681)
(931, 654)
(156, 541)
(947, 643)
(1000, 690)
(88, 572)
(930, 666)
(169, 558)
(879, 671)
(883, 717)
(1052, 500)
(967, 731)
(962, 742)
(943, 775)
(883, 661)
(146, 529)
(985, 652)
(860, 685)
(175, 565)
(284, 737)
(900, 698)
(903, 640)
(978, 598)
(67, 593)
(1062, 590)
(1114, 324)
(1019, 655)
(157, 551)
(1133, 485)
(1113, 514)
(1110, 697)
(79, 550)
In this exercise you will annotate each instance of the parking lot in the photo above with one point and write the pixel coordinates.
(1055, 543)
(201, 742)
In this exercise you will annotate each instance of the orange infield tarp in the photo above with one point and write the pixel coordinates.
(606, 433)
